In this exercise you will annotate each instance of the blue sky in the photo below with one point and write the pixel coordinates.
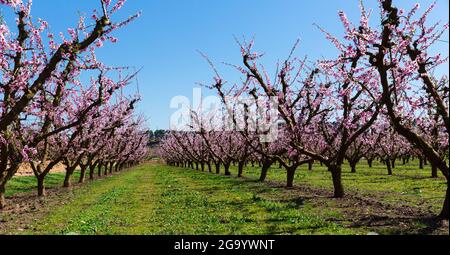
(165, 40)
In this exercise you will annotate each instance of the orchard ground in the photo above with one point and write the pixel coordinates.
(158, 199)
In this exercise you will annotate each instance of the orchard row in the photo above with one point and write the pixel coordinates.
(378, 98)
(51, 111)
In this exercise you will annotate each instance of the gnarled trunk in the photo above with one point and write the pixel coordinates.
(41, 186)
(227, 169)
(370, 162)
(241, 165)
(2, 196)
(82, 173)
(69, 172)
(217, 168)
(264, 170)
(336, 174)
(310, 165)
(444, 212)
(290, 176)
(388, 165)
(434, 171)
(353, 166)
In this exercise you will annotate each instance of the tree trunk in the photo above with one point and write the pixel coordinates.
(82, 174)
(434, 171)
(370, 162)
(290, 177)
(2, 196)
(444, 212)
(264, 170)
(111, 168)
(336, 174)
(217, 168)
(393, 162)
(209, 167)
(41, 186)
(227, 169)
(420, 163)
(91, 173)
(310, 165)
(241, 168)
(67, 178)
(388, 165)
(202, 166)
(353, 166)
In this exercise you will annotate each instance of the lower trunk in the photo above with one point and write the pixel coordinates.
(310, 165)
(209, 167)
(393, 163)
(111, 168)
(420, 163)
(353, 166)
(82, 174)
(202, 165)
(91, 173)
(2, 196)
(434, 172)
(290, 177)
(264, 170)
(444, 212)
(227, 169)
(370, 161)
(388, 165)
(241, 165)
(67, 178)
(217, 168)
(336, 172)
(41, 186)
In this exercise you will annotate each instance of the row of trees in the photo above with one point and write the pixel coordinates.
(51, 112)
(379, 98)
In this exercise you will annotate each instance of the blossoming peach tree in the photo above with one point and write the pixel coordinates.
(44, 102)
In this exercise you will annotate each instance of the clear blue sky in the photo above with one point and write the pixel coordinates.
(165, 39)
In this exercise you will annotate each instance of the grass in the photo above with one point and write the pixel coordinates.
(154, 199)
(409, 185)
(27, 184)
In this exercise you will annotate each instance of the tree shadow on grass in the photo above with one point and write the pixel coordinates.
(401, 225)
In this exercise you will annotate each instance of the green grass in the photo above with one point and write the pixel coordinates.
(165, 200)
(409, 185)
(27, 184)
(155, 199)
